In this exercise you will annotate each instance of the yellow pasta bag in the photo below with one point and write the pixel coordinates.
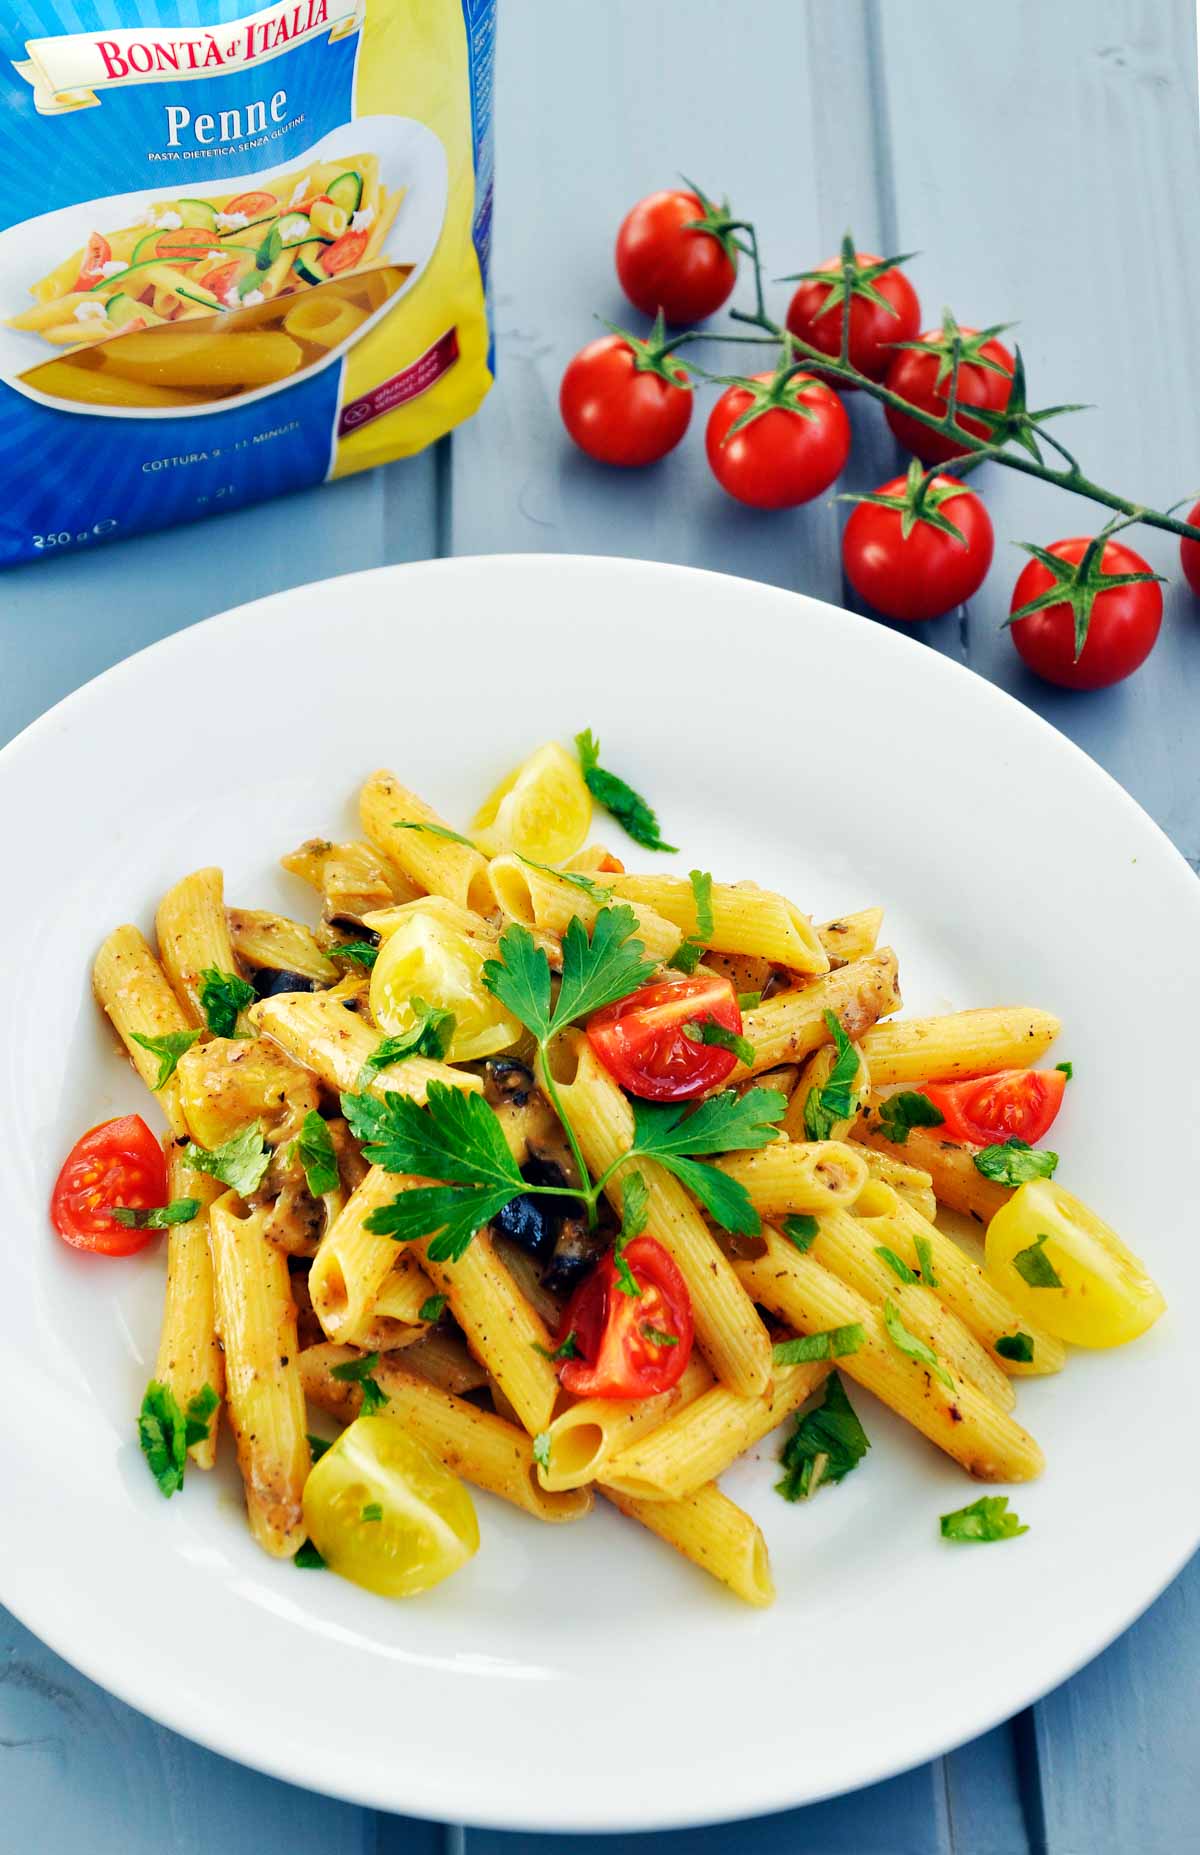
(251, 251)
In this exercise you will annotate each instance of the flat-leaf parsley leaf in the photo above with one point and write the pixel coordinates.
(238, 1162)
(628, 807)
(827, 1443)
(222, 997)
(1015, 1163)
(168, 1049)
(986, 1519)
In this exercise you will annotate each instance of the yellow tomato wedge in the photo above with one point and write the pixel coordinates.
(426, 958)
(543, 810)
(1064, 1266)
(383, 1512)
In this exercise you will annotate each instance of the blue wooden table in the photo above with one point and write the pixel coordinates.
(1045, 161)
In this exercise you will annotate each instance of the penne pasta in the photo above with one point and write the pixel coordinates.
(584, 1438)
(260, 938)
(131, 987)
(745, 919)
(256, 1323)
(793, 1176)
(911, 1183)
(807, 1103)
(351, 878)
(707, 1528)
(317, 1031)
(790, 1026)
(435, 864)
(501, 1328)
(965, 1043)
(353, 1266)
(543, 899)
(957, 1180)
(193, 937)
(958, 1418)
(189, 1358)
(851, 937)
(473, 1443)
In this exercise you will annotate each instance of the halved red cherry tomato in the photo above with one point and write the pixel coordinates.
(667, 260)
(872, 328)
(630, 1346)
(641, 1041)
(117, 1163)
(784, 456)
(991, 1109)
(254, 205)
(221, 276)
(922, 376)
(188, 244)
(344, 253)
(97, 252)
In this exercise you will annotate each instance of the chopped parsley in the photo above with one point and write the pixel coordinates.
(749, 1001)
(314, 1146)
(168, 1049)
(833, 1101)
(985, 1519)
(827, 1443)
(657, 1337)
(1068, 1069)
(1017, 1346)
(166, 1433)
(628, 807)
(434, 1308)
(708, 1031)
(834, 1343)
(690, 952)
(1035, 1267)
(896, 1264)
(156, 1217)
(431, 1035)
(567, 1350)
(924, 1249)
(222, 997)
(362, 952)
(801, 1229)
(899, 1114)
(1015, 1163)
(912, 1347)
(317, 1447)
(308, 1558)
(358, 1372)
(238, 1162)
(435, 830)
(635, 1196)
(541, 1449)
(373, 1511)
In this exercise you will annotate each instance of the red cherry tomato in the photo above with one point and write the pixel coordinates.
(630, 1346)
(664, 262)
(254, 205)
(221, 277)
(118, 1163)
(641, 1041)
(914, 375)
(930, 572)
(872, 329)
(621, 413)
(992, 1109)
(1124, 624)
(344, 253)
(186, 245)
(1189, 553)
(781, 458)
(97, 252)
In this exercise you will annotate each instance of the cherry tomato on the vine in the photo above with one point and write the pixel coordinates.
(628, 1345)
(991, 1109)
(1189, 553)
(622, 404)
(922, 376)
(883, 309)
(1105, 623)
(793, 448)
(676, 254)
(932, 568)
(117, 1163)
(643, 1039)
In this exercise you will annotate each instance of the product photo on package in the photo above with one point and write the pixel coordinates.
(241, 252)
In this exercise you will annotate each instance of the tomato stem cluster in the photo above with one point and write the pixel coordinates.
(1013, 433)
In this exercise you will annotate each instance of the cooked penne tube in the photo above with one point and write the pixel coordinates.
(132, 988)
(317, 1031)
(587, 1435)
(707, 1528)
(261, 938)
(700, 1441)
(851, 937)
(964, 1043)
(324, 320)
(728, 1330)
(961, 1283)
(794, 1176)
(957, 1180)
(193, 937)
(544, 899)
(910, 1182)
(790, 1026)
(806, 1102)
(441, 1357)
(182, 357)
(745, 919)
(959, 1419)
(352, 878)
(468, 921)
(256, 1323)
(189, 1357)
(473, 1443)
(501, 1328)
(849, 1248)
(353, 1265)
(436, 864)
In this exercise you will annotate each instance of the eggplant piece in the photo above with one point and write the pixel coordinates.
(506, 1080)
(577, 1250)
(268, 983)
(536, 1224)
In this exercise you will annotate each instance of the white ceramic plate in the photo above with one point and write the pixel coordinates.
(585, 1678)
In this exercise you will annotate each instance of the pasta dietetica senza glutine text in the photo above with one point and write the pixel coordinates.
(558, 1180)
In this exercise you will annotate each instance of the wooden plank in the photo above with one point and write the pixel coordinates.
(82, 1771)
(1045, 163)
(66, 619)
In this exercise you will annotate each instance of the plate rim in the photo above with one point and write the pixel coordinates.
(180, 1715)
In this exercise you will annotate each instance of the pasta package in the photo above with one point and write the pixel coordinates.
(241, 252)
